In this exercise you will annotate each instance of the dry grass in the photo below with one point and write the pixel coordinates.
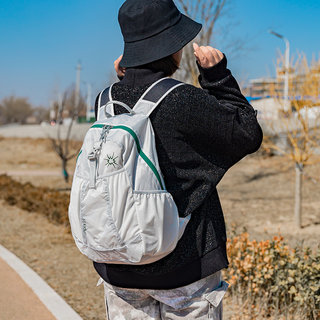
(53, 204)
(268, 278)
(256, 194)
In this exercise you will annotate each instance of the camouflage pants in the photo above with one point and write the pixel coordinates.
(199, 300)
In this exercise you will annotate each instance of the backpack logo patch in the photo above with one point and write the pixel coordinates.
(111, 160)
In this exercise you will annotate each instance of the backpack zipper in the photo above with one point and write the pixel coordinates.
(94, 155)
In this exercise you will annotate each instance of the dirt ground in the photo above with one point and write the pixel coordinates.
(256, 194)
(33, 160)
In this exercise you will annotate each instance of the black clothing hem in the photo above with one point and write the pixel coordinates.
(212, 262)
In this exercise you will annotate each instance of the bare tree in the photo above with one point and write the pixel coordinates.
(41, 114)
(66, 109)
(298, 127)
(208, 12)
(14, 109)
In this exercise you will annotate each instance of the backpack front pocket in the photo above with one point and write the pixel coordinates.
(98, 228)
(108, 219)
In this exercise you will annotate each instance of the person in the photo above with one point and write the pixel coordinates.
(200, 133)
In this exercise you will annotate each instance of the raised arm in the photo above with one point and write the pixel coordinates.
(222, 116)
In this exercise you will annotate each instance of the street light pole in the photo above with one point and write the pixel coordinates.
(286, 79)
(89, 101)
(287, 66)
(77, 92)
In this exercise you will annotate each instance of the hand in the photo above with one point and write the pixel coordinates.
(119, 70)
(207, 56)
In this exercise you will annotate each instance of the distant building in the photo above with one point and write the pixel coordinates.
(268, 108)
(266, 94)
(266, 87)
(261, 87)
(31, 120)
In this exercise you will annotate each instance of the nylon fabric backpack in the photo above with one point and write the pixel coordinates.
(120, 211)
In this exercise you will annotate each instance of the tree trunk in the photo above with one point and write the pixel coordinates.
(298, 194)
(64, 170)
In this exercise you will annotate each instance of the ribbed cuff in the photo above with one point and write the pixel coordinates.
(215, 73)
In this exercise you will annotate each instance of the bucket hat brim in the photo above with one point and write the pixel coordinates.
(161, 45)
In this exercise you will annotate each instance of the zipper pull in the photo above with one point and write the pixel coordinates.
(93, 155)
(105, 132)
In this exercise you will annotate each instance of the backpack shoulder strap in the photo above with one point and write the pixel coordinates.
(155, 94)
(104, 98)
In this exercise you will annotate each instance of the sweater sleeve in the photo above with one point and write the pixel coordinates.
(222, 117)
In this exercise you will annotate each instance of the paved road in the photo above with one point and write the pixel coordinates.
(79, 130)
(43, 131)
(17, 300)
(26, 296)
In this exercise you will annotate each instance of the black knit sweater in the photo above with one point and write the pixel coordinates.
(200, 134)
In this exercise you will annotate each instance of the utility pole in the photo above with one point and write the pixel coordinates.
(77, 93)
(89, 101)
(287, 66)
(53, 115)
(286, 79)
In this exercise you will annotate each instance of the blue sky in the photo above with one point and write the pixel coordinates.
(42, 41)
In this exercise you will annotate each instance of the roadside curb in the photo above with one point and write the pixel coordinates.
(54, 303)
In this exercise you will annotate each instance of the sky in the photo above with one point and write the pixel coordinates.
(41, 41)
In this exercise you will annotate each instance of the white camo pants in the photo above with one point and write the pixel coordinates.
(199, 300)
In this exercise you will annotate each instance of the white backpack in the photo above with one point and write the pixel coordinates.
(120, 211)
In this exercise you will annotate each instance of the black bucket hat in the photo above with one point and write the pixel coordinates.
(153, 29)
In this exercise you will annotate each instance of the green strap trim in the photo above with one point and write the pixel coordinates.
(141, 153)
(79, 155)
